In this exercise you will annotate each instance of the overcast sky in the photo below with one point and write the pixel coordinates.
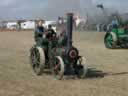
(15, 9)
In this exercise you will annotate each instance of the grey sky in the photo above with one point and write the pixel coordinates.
(15, 9)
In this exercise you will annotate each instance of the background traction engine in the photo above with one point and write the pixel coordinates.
(58, 55)
(117, 38)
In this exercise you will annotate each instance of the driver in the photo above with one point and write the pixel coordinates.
(39, 30)
(115, 23)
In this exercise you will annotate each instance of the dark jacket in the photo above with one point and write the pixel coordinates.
(39, 31)
(51, 32)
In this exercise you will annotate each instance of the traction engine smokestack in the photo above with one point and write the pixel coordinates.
(69, 29)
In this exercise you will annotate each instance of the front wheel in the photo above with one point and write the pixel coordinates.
(81, 68)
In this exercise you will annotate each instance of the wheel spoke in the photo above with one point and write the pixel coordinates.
(35, 59)
(109, 41)
(56, 67)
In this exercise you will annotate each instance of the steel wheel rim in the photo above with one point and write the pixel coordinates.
(58, 68)
(81, 67)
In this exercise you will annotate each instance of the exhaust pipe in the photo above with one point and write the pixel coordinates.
(69, 30)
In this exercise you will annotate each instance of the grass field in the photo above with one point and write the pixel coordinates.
(18, 79)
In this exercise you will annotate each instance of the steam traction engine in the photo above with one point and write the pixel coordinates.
(117, 38)
(58, 55)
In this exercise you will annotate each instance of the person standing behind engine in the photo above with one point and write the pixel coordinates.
(51, 32)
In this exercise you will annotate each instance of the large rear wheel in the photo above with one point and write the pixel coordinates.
(58, 68)
(37, 59)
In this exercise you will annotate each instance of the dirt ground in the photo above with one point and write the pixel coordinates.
(17, 78)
